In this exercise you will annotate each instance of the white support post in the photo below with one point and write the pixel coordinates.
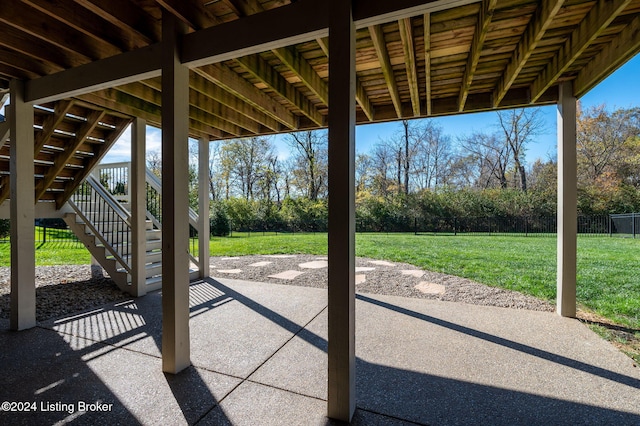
(203, 206)
(137, 198)
(22, 211)
(567, 202)
(341, 343)
(175, 200)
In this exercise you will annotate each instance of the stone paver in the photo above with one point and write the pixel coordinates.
(364, 268)
(430, 288)
(280, 256)
(315, 264)
(229, 271)
(413, 272)
(261, 264)
(360, 278)
(287, 275)
(382, 263)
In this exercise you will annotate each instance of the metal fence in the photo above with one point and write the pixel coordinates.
(53, 233)
(627, 224)
(513, 225)
(596, 225)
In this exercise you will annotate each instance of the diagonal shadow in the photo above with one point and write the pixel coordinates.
(559, 359)
(94, 334)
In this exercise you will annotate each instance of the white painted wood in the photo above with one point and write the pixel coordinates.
(203, 207)
(567, 202)
(137, 197)
(341, 312)
(175, 201)
(43, 210)
(22, 207)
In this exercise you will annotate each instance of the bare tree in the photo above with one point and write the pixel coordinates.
(518, 127)
(310, 154)
(492, 158)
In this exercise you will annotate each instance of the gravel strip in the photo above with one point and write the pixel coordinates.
(65, 289)
(383, 279)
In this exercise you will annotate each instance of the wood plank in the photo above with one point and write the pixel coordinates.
(217, 93)
(361, 95)
(125, 14)
(88, 23)
(36, 48)
(51, 123)
(290, 57)
(406, 35)
(477, 44)
(224, 77)
(624, 47)
(260, 69)
(63, 158)
(128, 67)
(191, 12)
(427, 60)
(253, 34)
(377, 36)
(40, 25)
(536, 29)
(596, 21)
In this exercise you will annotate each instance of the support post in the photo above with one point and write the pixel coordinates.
(137, 198)
(22, 211)
(203, 206)
(341, 312)
(567, 202)
(175, 200)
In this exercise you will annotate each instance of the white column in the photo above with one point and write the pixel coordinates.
(341, 352)
(175, 201)
(137, 198)
(22, 211)
(567, 201)
(203, 206)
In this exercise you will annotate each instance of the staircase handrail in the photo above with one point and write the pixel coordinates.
(156, 184)
(116, 207)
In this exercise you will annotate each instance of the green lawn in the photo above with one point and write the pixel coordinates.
(608, 280)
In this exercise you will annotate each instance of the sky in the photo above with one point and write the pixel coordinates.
(620, 90)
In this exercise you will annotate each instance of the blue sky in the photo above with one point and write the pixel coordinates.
(620, 90)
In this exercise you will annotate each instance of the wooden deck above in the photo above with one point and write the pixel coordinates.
(70, 138)
(433, 58)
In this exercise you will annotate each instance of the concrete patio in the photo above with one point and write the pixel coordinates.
(259, 358)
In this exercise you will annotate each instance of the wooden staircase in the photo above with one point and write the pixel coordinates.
(71, 137)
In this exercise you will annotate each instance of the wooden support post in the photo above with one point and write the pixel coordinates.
(342, 107)
(137, 198)
(567, 202)
(22, 211)
(175, 200)
(203, 206)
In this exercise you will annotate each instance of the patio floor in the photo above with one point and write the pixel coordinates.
(259, 358)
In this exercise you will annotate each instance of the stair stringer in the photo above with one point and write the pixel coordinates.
(98, 251)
